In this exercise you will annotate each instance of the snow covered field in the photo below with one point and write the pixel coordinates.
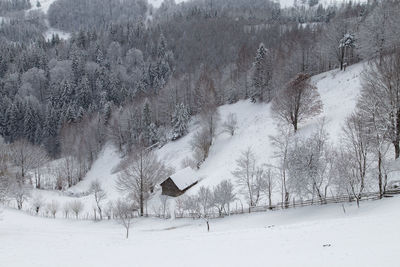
(312, 236)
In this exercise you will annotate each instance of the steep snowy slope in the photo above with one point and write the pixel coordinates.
(311, 237)
(339, 91)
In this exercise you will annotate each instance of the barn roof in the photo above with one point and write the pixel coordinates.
(184, 178)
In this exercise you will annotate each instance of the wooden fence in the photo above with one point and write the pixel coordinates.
(297, 203)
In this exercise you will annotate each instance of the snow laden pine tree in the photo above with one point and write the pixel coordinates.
(262, 75)
(345, 46)
(180, 120)
(150, 134)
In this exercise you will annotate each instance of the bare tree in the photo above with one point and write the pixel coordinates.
(249, 176)
(66, 209)
(52, 207)
(223, 196)
(76, 207)
(99, 196)
(108, 211)
(281, 143)
(310, 165)
(37, 203)
(20, 192)
(230, 125)
(41, 158)
(191, 205)
(353, 161)
(379, 132)
(380, 98)
(124, 211)
(23, 156)
(268, 185)
(204, 199)
(379, 33)
(297, 102)
(201, 144)
(141, 172)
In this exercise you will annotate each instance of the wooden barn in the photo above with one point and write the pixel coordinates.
(178, 183)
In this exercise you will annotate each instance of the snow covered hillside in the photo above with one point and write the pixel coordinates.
(313, 236)
(339, 92)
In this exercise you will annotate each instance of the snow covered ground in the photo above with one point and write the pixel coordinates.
(312, 236)
(52, 31)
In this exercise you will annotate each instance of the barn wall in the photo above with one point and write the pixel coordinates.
(170, 189)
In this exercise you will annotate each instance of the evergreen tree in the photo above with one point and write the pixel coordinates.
(146, 123)
(262, 75)
(180, 120)
(346, 44)
(50, 131)
(84, 96)
(107, 111)
(30, 123)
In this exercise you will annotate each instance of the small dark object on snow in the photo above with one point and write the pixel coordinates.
(326, 245)
(270, 226)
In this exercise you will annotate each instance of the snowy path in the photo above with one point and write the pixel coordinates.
(368, 236)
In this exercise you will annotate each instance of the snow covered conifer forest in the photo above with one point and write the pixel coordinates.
(199, 133)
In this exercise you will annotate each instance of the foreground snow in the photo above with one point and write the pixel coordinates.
(367, 236)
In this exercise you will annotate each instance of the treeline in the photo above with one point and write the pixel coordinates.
(96, 14)
(13, 5)
(138, 82)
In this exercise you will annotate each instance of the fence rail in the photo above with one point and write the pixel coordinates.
(300, 203)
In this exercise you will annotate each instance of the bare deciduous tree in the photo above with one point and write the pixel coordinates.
(353, 161)
(20, 192)
(24, 156)
(52, 207)
(249, 177)
(66, 209)
(37, 203)
(76, 206)
(297, 102)
(124, 211)
(310, 165)
(230, 125)
(201, 144)
(268, 185)
(223, 196)
(204, 199)
(380, 98)
(141, 172)
(281, 142)
(99, 196)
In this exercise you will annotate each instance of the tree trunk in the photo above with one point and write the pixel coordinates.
(380, 175)
(286, 199)
(396, 149)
